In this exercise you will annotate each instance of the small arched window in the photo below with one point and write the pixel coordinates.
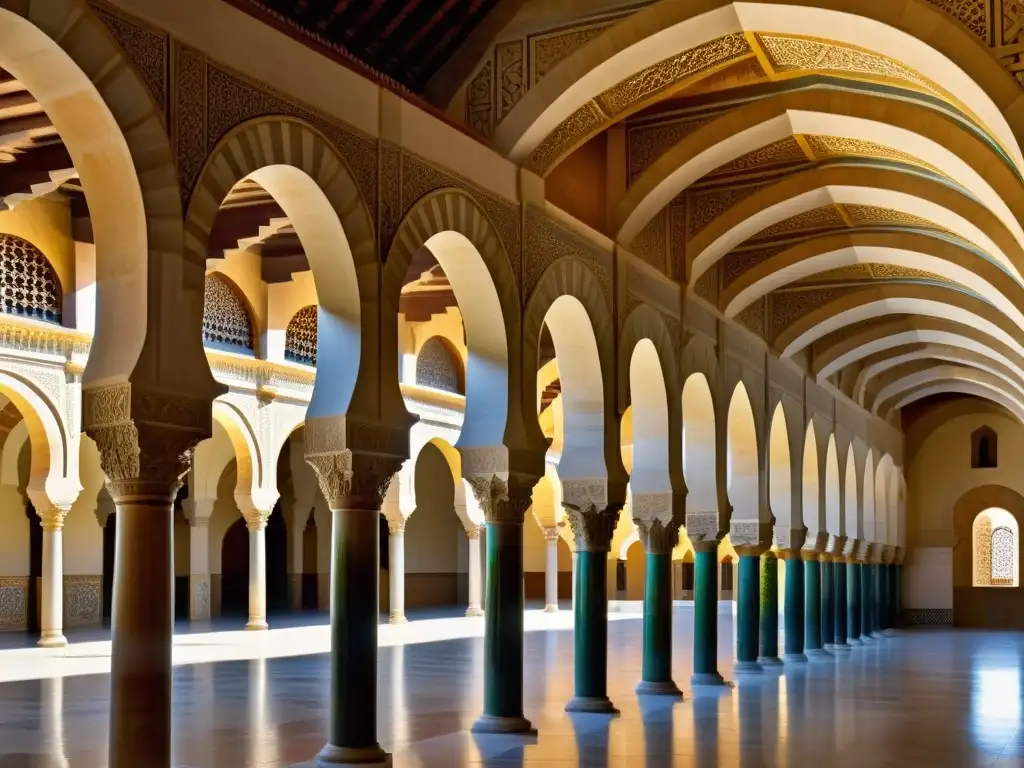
(727, 573)
(984, 448)
(300, 337)
(227, 323)
(1002, 555)
(439, 366)
(995, 549)
(28, 281)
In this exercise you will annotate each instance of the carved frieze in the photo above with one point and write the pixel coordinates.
(547, 241)
(591, 515)
(646, 143)
(146, 47)
(480, 101)
(511, 83)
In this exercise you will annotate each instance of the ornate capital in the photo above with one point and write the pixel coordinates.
(551, 533)
(473, 533)
(702, 525)
(396, 525)
(256, 519)
(502, 500)
(592, 517)
(53, 518)
(888, 554)
(836, 545)
(657, 537)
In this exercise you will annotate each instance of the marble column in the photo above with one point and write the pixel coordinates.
(198, 513)
(877, 600)
(839, 603)
(475, 573)
(794, 609)
(705, 615)
(593, 523)
(574, 580)
(300, 515)
(551, 569)
(353, 484)
(52, 614)
(769, 611)
(396, 569)
(852, 602)
(256, 523)
(812, 604)
(897, 595)
(866, 603)
(656, 671)
(828, 616)
(748, 603)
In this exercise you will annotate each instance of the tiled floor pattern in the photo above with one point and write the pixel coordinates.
(927, 698)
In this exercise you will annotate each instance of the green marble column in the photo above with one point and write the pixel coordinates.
(769, 613)
(812, 606)
(867, 612)
(794, 608)
(352, 719)
(877, 600)
(656, 677)
(705, 616)
(747, 609)
(853, 611)
(897, 598)
(828, 610)
(839, 600)
(590, 635)
(503, 632)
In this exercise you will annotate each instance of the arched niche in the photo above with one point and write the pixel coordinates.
(29, 285)
(300, 337)
(228, 320)
(984, 448)
(867, 521)
(996, 549)
(439, 366)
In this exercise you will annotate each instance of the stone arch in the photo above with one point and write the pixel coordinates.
(930, 373)
(229, 322)
(653, 456)
(851, 497)
(54, 448)
(569, 300)
(811, 486)
(780, 471)
(867, 522)
(978, 389)
(114, 133)
(249, 462)
(29, 285)
(460, 235)
(916, 131)
(879, 530)
(912, 195)
(454, 463)
(920, 36)
(833, 495)
(743, 470)
(300, 337)
(699, 452)
(311, 182)
(912, 250)
(439, 365)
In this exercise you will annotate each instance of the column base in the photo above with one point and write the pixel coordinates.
(397, 618)
(867, 639)
(794, 658)
(841, 648)
(877, 635)
(890, 632)
(746, 668)
(852, 641)
(707, 679)
(52, 640)
(817, 654)
(257, 625)
(505, 725)
(474, 611)
(651, 688)
(598, 705)
(769, 661)
(550, 609)
(361, 756)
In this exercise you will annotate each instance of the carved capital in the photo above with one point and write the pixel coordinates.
(503, 499)
(473, 533)
(657, 537)
(52, 518)
(591, 516)
(551, 533)
(836, 545)
(256, 519)
(702, 525)
(888, 554)
(396, 525)
(747, 533)
(788, 537)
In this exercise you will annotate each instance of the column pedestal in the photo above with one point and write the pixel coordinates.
(748, 603)
(475, 574)
(794, 609)
(705, 616)
(812, 607)
(769, 613)
(396, 571)
(52, 614)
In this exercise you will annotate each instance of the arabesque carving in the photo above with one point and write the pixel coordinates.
(591, 516)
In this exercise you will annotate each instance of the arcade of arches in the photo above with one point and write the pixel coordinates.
(595, 304)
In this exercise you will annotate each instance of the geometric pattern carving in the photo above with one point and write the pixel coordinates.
(842, 146)
(82, 600)
(509, 58)
(29, 282)
(480, 101)
(548, 51)
(782, 152)
(817, 218)
(14, 603)
(704, 206)
(300, 337)
(226, 320)
(436, 367)
(874, 214)
(1003, 555)
(647, 143)
(973, 14)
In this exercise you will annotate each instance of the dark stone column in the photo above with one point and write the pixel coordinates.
(877, 600)
(794, 607)
(592, 528)
(769, 613)
(839, 600)
(812, 605)
(828, 617)
(897, 597)
(705, 615)
(853, 611)
(867, 612)
(658, 540)
(747, 610)
(504, 507)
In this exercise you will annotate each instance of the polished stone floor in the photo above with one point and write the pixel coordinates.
(925, 698)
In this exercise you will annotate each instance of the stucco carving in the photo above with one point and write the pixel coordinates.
(145, 46)
(480, 100)
(657, 537)
(83, 600)
(546, 241)
(512, 77)
(503, 500)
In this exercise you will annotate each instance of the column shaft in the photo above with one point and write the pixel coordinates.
(352, 724)
(591, 635)
(748, 603)
(551, 572)
(877, 600)
(897, 597)
(52, 614)
(656, 676)
(812, 607)
(503, 632)
(396, 573)
(828, 618)
(475, 574)
(705, 618)
(839, 603)
(257, 576)
(769, 613)
(866, 602)
(143, 610)
(853, 602)
(199, 569)
(794, 609)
